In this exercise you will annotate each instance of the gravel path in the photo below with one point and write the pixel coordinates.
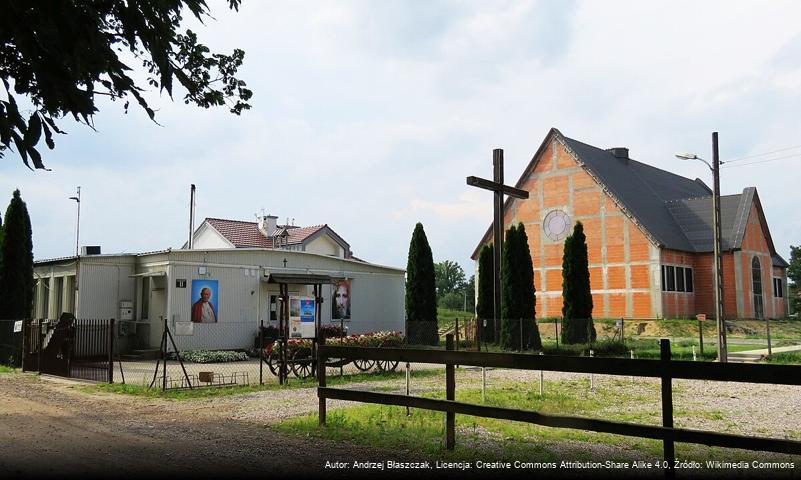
(52, 427)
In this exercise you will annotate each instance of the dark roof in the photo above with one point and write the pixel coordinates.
(694, 218)
(676, 212)
(643, 190)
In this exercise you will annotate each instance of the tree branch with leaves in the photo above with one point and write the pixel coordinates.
(60, 55)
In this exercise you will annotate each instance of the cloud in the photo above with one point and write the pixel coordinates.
(369, 116)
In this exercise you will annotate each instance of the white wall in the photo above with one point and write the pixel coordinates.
(323, 245)
(208, 238)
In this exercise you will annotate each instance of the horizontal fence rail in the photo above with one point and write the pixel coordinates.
(663, 368)
(725, 372)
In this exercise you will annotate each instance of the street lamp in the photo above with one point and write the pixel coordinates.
(78, 223)
(718, 244)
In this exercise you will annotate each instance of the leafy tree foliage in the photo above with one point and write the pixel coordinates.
(60, 55)
(16, 271)
(794, 275)
(421, 296)
(518, 299)
(484, 306)
(449, 277)
(577, 325)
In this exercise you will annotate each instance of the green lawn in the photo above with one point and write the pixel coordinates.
(483, 438)
(5, 369)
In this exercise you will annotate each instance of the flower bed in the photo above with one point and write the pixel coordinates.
(372, 339)
(211, 356)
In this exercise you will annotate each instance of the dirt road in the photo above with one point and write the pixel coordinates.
(49, 427)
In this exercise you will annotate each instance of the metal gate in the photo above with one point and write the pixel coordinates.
(70, 348)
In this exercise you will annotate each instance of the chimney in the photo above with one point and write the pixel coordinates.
(619, 152)
(267, 224)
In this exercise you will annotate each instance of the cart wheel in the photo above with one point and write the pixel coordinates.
(387, 365)
(364, 365)
(302, 363)
(273, 363)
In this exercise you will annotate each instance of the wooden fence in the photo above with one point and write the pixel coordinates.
(664, 368)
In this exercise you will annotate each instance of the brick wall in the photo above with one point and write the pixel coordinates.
(619, 253)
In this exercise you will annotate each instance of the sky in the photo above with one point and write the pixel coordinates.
(369, 115)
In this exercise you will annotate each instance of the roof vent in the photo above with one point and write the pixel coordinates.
(619, 152)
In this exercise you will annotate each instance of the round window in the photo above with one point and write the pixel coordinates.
(556, 225)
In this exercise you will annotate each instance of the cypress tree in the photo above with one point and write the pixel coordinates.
(16, 271)
(484, 307)
(518, 293)
(421, 294)
(16, 275)
(528, 293)
(510, 321)
(577, 325)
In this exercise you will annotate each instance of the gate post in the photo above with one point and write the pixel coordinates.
(39, 347)
(111, 351)
(450, 394)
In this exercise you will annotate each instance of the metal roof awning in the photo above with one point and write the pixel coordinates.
(148, 274)
(297, 278)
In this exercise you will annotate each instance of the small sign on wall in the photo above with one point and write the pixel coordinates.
(180, 283)
(18, 326)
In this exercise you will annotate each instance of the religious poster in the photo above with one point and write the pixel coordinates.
(205, 301)
(301, 317)
(340, 304)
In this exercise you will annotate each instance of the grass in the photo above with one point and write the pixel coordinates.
(6, 369)
(788, 358)
(480, 438)
(207, 392)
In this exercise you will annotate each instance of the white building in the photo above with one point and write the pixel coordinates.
(148, 288)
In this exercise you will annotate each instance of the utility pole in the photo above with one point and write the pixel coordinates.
(721, 323)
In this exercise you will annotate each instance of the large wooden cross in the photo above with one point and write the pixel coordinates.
(499, 189)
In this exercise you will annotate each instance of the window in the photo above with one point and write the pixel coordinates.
(688, 279)
(756, 286)
(671, 278)
(778, 290)
(679, 279)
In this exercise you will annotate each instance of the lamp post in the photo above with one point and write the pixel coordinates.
(78, 222)
(718, 244)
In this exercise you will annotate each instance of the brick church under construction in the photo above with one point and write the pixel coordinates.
(649, 237)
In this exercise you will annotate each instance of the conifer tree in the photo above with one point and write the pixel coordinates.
(484, 308)
(518, 293)
(16, 270)
(528, 293)
(577, 325)
(421, 294)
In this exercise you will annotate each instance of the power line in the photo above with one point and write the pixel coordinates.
(795, 155)
(761, 154)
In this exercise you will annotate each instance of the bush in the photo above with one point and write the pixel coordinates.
(211, 356)
(452, 301)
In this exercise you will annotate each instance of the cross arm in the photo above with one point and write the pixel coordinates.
(496, 187)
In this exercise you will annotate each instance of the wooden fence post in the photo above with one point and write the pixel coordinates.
(767, 329)
(701, 336)
(450, 394)
(321, 382)
(667, 407)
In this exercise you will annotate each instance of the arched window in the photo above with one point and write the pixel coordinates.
(756, 287)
